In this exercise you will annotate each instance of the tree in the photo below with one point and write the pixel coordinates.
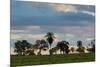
(18, 47)
(92, 49)
(43, 44)
(29, 52)
(54, 50)
(21, 46)
(25, 44)
(92, 42)
(72, 49)
(80, 48)
(79, 44)
(40, 44)
(50, 38)
(93, 46)
(63, 46)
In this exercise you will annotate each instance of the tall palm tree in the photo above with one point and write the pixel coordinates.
(50, 38)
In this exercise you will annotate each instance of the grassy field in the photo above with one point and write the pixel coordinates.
(54, 59)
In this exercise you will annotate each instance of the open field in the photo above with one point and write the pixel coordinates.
(54, 59)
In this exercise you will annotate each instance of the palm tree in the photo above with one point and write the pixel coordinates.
(50, 38)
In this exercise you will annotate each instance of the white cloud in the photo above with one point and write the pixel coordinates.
(27, 36)
(36, 36)
(18, 31)
(70, 35)
(25, 29)
(32, 27)
(89, 39)
(61, 33)
(75, 32)
(89, 13)
(15, 36)
(64, 8)
(70, 8)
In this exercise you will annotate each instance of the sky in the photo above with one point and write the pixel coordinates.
(32, 20)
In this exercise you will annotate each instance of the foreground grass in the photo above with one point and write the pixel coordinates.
(54, 59)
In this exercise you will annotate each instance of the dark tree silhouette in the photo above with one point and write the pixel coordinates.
(92, 42)
(79, 44)
(40, 44)
(50, 38)
(80, 48)
(93, 46)
(25, 44)
(54, 50)
(29, 51)
(63, 46)
(37, 44)
(92, 49)
(43, 45)
(21, 46)
(18, 47)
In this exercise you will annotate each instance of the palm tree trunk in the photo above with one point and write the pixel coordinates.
(50, 50)
(39, 53)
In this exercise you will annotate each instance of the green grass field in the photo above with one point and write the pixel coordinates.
(54, 59)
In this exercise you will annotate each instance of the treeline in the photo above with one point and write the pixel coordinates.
(23, 47)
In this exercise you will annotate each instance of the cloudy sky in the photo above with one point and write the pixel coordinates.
(32, 20)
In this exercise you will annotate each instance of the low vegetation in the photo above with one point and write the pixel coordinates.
(54, 59)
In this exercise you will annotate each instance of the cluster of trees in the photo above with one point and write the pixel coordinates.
(81, 49)
(23, 47)
(92, 50)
